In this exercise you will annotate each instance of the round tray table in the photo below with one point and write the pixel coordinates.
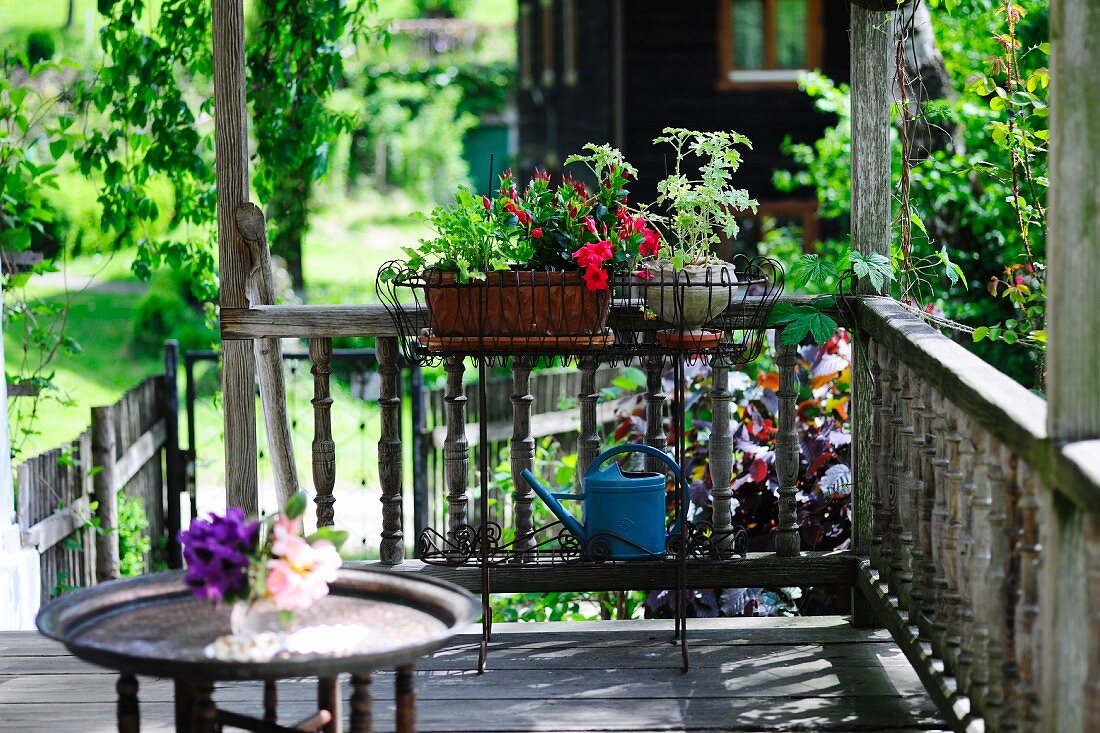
(151, 625)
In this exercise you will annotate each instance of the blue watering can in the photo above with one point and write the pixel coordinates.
(624, 512)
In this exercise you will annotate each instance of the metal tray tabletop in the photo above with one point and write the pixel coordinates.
(151, 625)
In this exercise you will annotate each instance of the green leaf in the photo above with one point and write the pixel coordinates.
(980, 333)
(296, 506)
(336, 536)
(810, 268)
(874, 267)
(815, 323)
(954, 273)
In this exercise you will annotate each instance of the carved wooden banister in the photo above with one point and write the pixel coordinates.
(324, 449)
(391, 472)
(456, 449)
(523, 447)
(962, 500)
(654, 410)
(788, 543)
(721, 455)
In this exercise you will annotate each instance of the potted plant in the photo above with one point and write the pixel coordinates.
(686, 283)
(536, 261)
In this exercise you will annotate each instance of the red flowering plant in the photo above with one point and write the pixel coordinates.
(543, 226)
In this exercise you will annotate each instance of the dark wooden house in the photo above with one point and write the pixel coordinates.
(617, 71)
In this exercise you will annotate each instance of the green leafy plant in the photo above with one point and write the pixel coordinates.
(699, 208)
(133, 535)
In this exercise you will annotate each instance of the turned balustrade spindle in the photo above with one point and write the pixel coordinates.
(588, 442)
(995, 583)
(1028, 633)
(929, 605)
(1092, 686)
(883, 426)
(655, 410)
(967, 454)
(522, 449)
(877, 483)
(324, 449)
(1011, 535)
(901, 478)
(951, 542)
(788, 543)
(984, 580)
(940, 557)
(456, 449)
(915, 473)
(390, 466)
(721, 454)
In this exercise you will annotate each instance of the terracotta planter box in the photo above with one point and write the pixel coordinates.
(516, 304)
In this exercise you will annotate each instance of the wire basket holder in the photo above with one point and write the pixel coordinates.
(717, 313)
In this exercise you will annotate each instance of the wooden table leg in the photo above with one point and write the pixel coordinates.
(360, 704)
(129, 716)
(185, 707)
(406, 699)
(206, 713)
(271, 702)
(328, 698)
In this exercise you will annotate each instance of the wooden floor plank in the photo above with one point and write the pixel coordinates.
(748, 675)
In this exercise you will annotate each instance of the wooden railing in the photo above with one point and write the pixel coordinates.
(130, 447)
(964, 483)
(958, 475)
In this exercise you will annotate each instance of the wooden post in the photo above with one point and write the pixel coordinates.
(106, 493)
(175, 478)
(870, 70)
(391, 473)
(260, 287)
(234, 261)
(1073, 394)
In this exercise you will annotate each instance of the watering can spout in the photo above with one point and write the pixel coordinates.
(551, 501)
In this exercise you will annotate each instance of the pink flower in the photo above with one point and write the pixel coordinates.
(590, 225)
(299, 573)
(537, 232)
(1019, 279)
(651, 245)
(644, 274)
(595, 278)
(486, 203)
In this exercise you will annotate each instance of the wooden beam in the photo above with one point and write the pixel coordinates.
(337, 321)
(758, 569)
(140, 453)
(234, 259)
(56, 527)
(15, 262)
(106, 493)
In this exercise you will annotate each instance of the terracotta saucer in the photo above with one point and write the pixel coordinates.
(700, 339)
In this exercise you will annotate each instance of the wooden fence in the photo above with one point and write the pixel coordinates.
(131, 448)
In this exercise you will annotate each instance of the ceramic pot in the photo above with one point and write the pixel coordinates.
(688, 298)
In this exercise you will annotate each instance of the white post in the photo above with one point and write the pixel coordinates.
(19, 576)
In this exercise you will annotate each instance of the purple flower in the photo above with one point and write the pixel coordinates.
(218, 551)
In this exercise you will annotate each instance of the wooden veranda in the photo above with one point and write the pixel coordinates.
(976, 504)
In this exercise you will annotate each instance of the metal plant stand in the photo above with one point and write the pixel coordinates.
(736, 304)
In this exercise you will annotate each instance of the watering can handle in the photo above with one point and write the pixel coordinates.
(638, 448)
